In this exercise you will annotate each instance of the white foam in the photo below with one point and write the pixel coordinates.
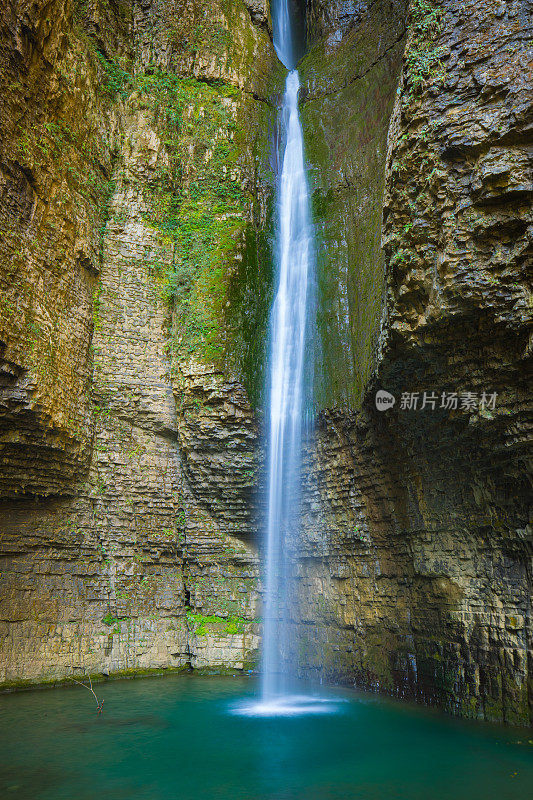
(288, 706)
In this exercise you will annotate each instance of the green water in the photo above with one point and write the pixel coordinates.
(174, 738)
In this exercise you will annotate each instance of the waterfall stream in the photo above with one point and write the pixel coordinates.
(289, 373)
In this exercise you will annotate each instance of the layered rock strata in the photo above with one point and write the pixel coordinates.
(419, 516)
(115, 555)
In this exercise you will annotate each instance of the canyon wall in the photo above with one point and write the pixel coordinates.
(137, 179)
(416, 576)
(132, 137)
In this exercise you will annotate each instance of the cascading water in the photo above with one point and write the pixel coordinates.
(282, 33)
(290, 365)
(289, 394)
(287, 390)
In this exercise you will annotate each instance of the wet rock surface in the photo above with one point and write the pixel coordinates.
(418, 520)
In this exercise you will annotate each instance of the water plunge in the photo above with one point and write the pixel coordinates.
(290, 375)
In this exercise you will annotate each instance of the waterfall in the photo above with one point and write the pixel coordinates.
(282, 33)
(289, 372)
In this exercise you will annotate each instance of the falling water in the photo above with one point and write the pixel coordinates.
(282, 32)
(289, 387)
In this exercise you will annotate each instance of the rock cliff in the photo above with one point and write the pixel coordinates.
(417, 575)
(131, 197)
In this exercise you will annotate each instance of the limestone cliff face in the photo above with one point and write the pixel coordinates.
(137, 185)
(351, 76)
(418, 521)
(119, 176)
(58, 140)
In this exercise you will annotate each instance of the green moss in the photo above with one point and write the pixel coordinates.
(423, 64)
(207, 35)
(80, 157)
(345, 133)
(219, 592)
(201, 199)
(223, 33)
(217, 279)
(202, 624)
(197, 204)
(96, 677)
(249, 664)
(249, 295)
(116, 81)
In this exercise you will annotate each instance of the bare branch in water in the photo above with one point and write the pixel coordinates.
(99, 703)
